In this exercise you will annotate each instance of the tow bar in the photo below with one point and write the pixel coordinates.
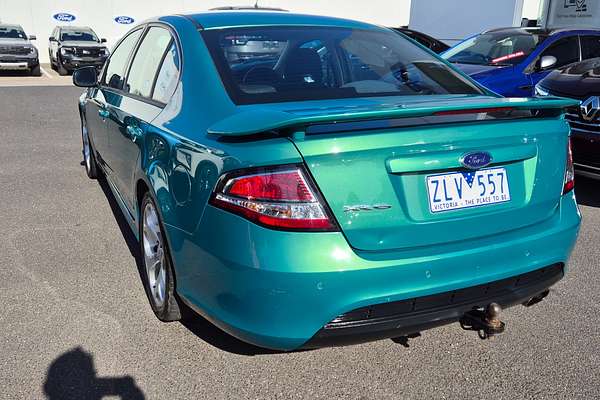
(485, 322)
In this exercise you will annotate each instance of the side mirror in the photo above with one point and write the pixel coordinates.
(548, 62)
(85, 77)
(32, 37)
(102, 40)
(52, 39)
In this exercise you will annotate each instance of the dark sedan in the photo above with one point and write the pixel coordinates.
(580, 81)
(432, 44)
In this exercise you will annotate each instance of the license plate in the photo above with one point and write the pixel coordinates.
(455, 191)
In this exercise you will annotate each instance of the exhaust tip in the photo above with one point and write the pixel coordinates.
(537, 298)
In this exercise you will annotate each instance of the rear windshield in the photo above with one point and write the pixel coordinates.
(11, 32)
(277, 64)
(83, 36)
(496, 48)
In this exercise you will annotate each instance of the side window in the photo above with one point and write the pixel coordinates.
(167, 78)
(565, 50)
(590, 47)
(117, 63)
(147, 60)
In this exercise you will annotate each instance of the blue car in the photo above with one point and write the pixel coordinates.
(511, 61)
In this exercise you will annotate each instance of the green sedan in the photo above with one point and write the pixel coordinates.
(305, 181)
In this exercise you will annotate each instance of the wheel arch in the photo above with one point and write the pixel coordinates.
(154, 180)
(146, 183)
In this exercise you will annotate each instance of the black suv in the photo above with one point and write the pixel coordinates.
(72, 47)
(16, 51)
(580, 81)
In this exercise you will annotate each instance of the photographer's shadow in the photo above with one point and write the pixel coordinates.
(73, 376)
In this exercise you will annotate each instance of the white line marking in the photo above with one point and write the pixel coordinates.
(45, 73)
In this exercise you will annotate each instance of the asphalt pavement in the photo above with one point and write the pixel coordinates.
(48, 77)
(75, 322)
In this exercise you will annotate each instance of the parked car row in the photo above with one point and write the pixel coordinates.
(306, 181)
(69, 48)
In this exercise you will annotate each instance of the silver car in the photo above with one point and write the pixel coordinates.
(16, 51)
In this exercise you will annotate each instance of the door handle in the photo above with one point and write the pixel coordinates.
(134, 132)
(103, 113)
(525, 87)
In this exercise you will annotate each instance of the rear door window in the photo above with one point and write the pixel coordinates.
(565, 50)
(148, 58)
(117, 63)
(590, 47)
(167, 78)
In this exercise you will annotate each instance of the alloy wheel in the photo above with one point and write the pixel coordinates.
(154, 255)
(87, 157)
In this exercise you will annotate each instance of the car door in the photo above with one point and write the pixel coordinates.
(130, 118)
(566, 51)
(108, 92)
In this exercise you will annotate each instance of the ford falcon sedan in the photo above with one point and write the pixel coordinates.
(304, 181)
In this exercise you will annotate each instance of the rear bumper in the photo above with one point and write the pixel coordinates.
(281, 290)
(410, 316)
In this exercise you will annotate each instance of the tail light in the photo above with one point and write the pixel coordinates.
(283, 198)
(569, 171)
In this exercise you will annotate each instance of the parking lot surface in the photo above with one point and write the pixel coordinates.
(75, 322)
(49, 77)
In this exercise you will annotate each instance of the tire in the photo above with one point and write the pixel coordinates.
(157, 267)
(62, 71)
(36, 71)
(89, 157)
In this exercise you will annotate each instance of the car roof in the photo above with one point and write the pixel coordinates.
(75, 28)
(11, 26)
(240, 18)
(255, 8)
(539, 30)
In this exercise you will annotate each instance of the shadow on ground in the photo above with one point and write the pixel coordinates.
(199, 326)
(73, 376)
(587, 191)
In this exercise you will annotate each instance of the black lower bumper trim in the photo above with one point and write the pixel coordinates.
(389, 320)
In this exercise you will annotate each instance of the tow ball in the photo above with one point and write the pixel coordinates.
(486, 322)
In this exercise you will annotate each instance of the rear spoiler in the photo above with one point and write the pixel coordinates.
(259, 119)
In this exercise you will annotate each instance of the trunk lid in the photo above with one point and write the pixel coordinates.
(373, 168)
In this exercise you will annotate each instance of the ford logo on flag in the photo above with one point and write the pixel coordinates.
(125, 20)
(64, 17)
(476, 160)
